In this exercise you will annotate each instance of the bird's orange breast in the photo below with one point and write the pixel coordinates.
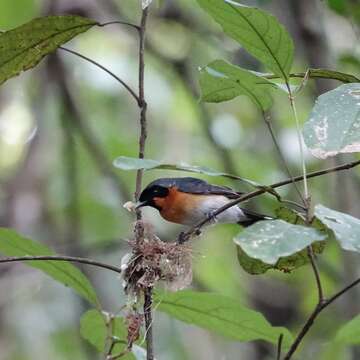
(178, 206)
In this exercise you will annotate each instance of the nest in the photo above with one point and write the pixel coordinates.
(153, 260)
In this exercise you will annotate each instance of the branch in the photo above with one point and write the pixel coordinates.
(62, 258)
(318, 309)
(122, 82)
(316, 274)
(186, 235)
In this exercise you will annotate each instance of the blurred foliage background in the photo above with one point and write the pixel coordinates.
(62, 125)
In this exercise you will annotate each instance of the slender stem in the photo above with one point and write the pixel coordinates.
(185, 236)
(316, 274)
(309, 322)
(62, 258)
(122, 82)
(142, 103)
(139, 230)
(267, 121)
(301, 147)
(148, 323)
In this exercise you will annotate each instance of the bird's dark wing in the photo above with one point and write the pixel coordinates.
(198, 186)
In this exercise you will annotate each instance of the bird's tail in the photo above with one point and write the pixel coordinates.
(252, 217)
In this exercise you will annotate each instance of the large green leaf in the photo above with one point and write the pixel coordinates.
(334, 123)
(23, 47)
(221, 81)
(220, 314)
(13, 244)
(288, 263)
(129, 163)
(257, 31)
(350, 332)
(271, 240)
(97, 328)
(346, 228)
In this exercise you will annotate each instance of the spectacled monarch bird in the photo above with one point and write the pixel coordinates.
(187, 200)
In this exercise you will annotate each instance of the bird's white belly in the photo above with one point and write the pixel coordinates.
(212, 203)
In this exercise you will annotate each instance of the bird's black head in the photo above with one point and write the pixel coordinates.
(153, 193)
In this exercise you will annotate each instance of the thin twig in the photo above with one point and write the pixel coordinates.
(122, 82)
(316, 273)
(186, 235)
(318, 309)
(139, 230)
(62, 258)
(300, 141)
(142, 103)
(267, 121)
(148, 323)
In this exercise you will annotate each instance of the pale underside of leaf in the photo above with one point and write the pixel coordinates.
(271, 240)
(346, 228)
(334, 123)
(128, 163)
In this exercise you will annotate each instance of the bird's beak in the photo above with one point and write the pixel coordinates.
(140, 204)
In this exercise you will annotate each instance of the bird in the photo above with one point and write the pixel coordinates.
(188, 200)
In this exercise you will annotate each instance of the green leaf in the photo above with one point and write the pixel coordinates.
(346, 228)
(129, 163)
(97, 328)
(23, 47)
(93, 329)
(288, 263)
(350, 332)
(257, 31)
(221, 81)
(13, 244)
(334, 123)
(220, 314)
(270, 240)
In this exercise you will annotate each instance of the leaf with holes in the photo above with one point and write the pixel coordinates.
(220, 314)
(346, 228)
(271, 240)
(13, 244)
(334, 123)
(23, 47)
(221, 81)
(288, 263)
(257, 31)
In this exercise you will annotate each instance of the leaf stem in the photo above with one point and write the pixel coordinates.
(122, 82)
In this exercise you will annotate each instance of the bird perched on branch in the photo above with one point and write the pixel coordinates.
(188, 200)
